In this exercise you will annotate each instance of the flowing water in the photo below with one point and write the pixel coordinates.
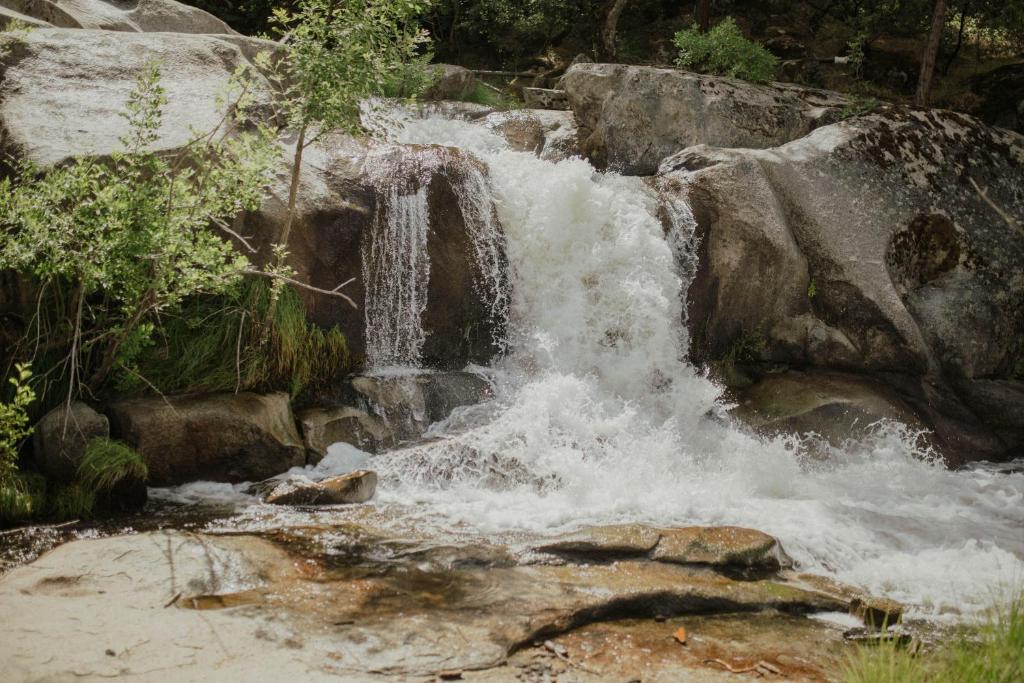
(598, 418)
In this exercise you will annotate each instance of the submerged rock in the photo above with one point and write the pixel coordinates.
(632, 117)
(216, 437)
(61, 436)
(355, 487)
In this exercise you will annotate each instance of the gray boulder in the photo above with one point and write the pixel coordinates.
(217, 437)
(322, 427)
(136, 16)
(61, 436)
(632, 117)
(451, 82)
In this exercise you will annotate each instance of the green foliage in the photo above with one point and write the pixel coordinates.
(859, 106)
(490, 97)
(70, 501)
(812, 289)
(515, 27)
(14, 425)
(125, 240)
(725, 51)
(239, 341)
(21, 497)
(993, 653)
(337, 53)
(107, 462)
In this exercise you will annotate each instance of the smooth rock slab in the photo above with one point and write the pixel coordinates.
(179, 606)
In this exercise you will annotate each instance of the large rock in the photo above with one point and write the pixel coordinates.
(632, 117)
(61, 436)
(411, 224)
(322, 427)
(217, 437)
(65, 90)
(887, 243)
(451, 82)
(135, 16)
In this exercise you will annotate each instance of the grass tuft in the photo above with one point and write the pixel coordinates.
(107, 463)
(991, 653)
(240, 342)
(71, 501)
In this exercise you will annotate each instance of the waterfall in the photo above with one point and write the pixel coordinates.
(598, 418)
(396, 272)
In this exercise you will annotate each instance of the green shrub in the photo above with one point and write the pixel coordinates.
(106, 463)
(21, 498)
(725, 51)
(70, 501)
(239, 341)
(14, 427)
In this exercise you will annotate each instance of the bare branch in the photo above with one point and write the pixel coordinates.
(244, 242)
(303, 285)
(1005, 216)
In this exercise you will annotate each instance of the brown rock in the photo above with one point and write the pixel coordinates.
(721, 546)
(355, 487)
(61, 436)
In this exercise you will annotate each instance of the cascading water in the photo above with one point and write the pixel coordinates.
(598, 418)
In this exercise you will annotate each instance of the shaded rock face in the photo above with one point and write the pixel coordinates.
(349, 223)
(632, 117)
(322, 427)
(61, 436)
(135, 16)
(390, 606)
(216, 437)
(880, 244)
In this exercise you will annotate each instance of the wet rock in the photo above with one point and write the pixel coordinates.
(451, 82)
(632, 117)
(877, 613)
(355, 487)
(9, 16)
(925, 282)
(61, 436)
(545, 98)
(551, 135)
(322, 427)
(350, 191)
(91, 73)
(409, 403)
(721, 546)
(217, 437)
(834, 406)
(620, 539)
(139, 16)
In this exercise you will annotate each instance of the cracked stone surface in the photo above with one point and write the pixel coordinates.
(172, 606)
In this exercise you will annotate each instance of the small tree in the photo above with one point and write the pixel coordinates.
(335, 54)
(14, 424)
(725, 51)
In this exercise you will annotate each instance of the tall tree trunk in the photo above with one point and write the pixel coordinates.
(611, 25)
(293, 189)
(703, 15)
(931, 52)
(959, 40)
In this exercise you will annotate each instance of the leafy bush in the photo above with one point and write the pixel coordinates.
(14, 424)
(238, 341)
(107, 462)
(118, 243)
(725, 51)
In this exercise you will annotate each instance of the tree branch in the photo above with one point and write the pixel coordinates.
(303, 285)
